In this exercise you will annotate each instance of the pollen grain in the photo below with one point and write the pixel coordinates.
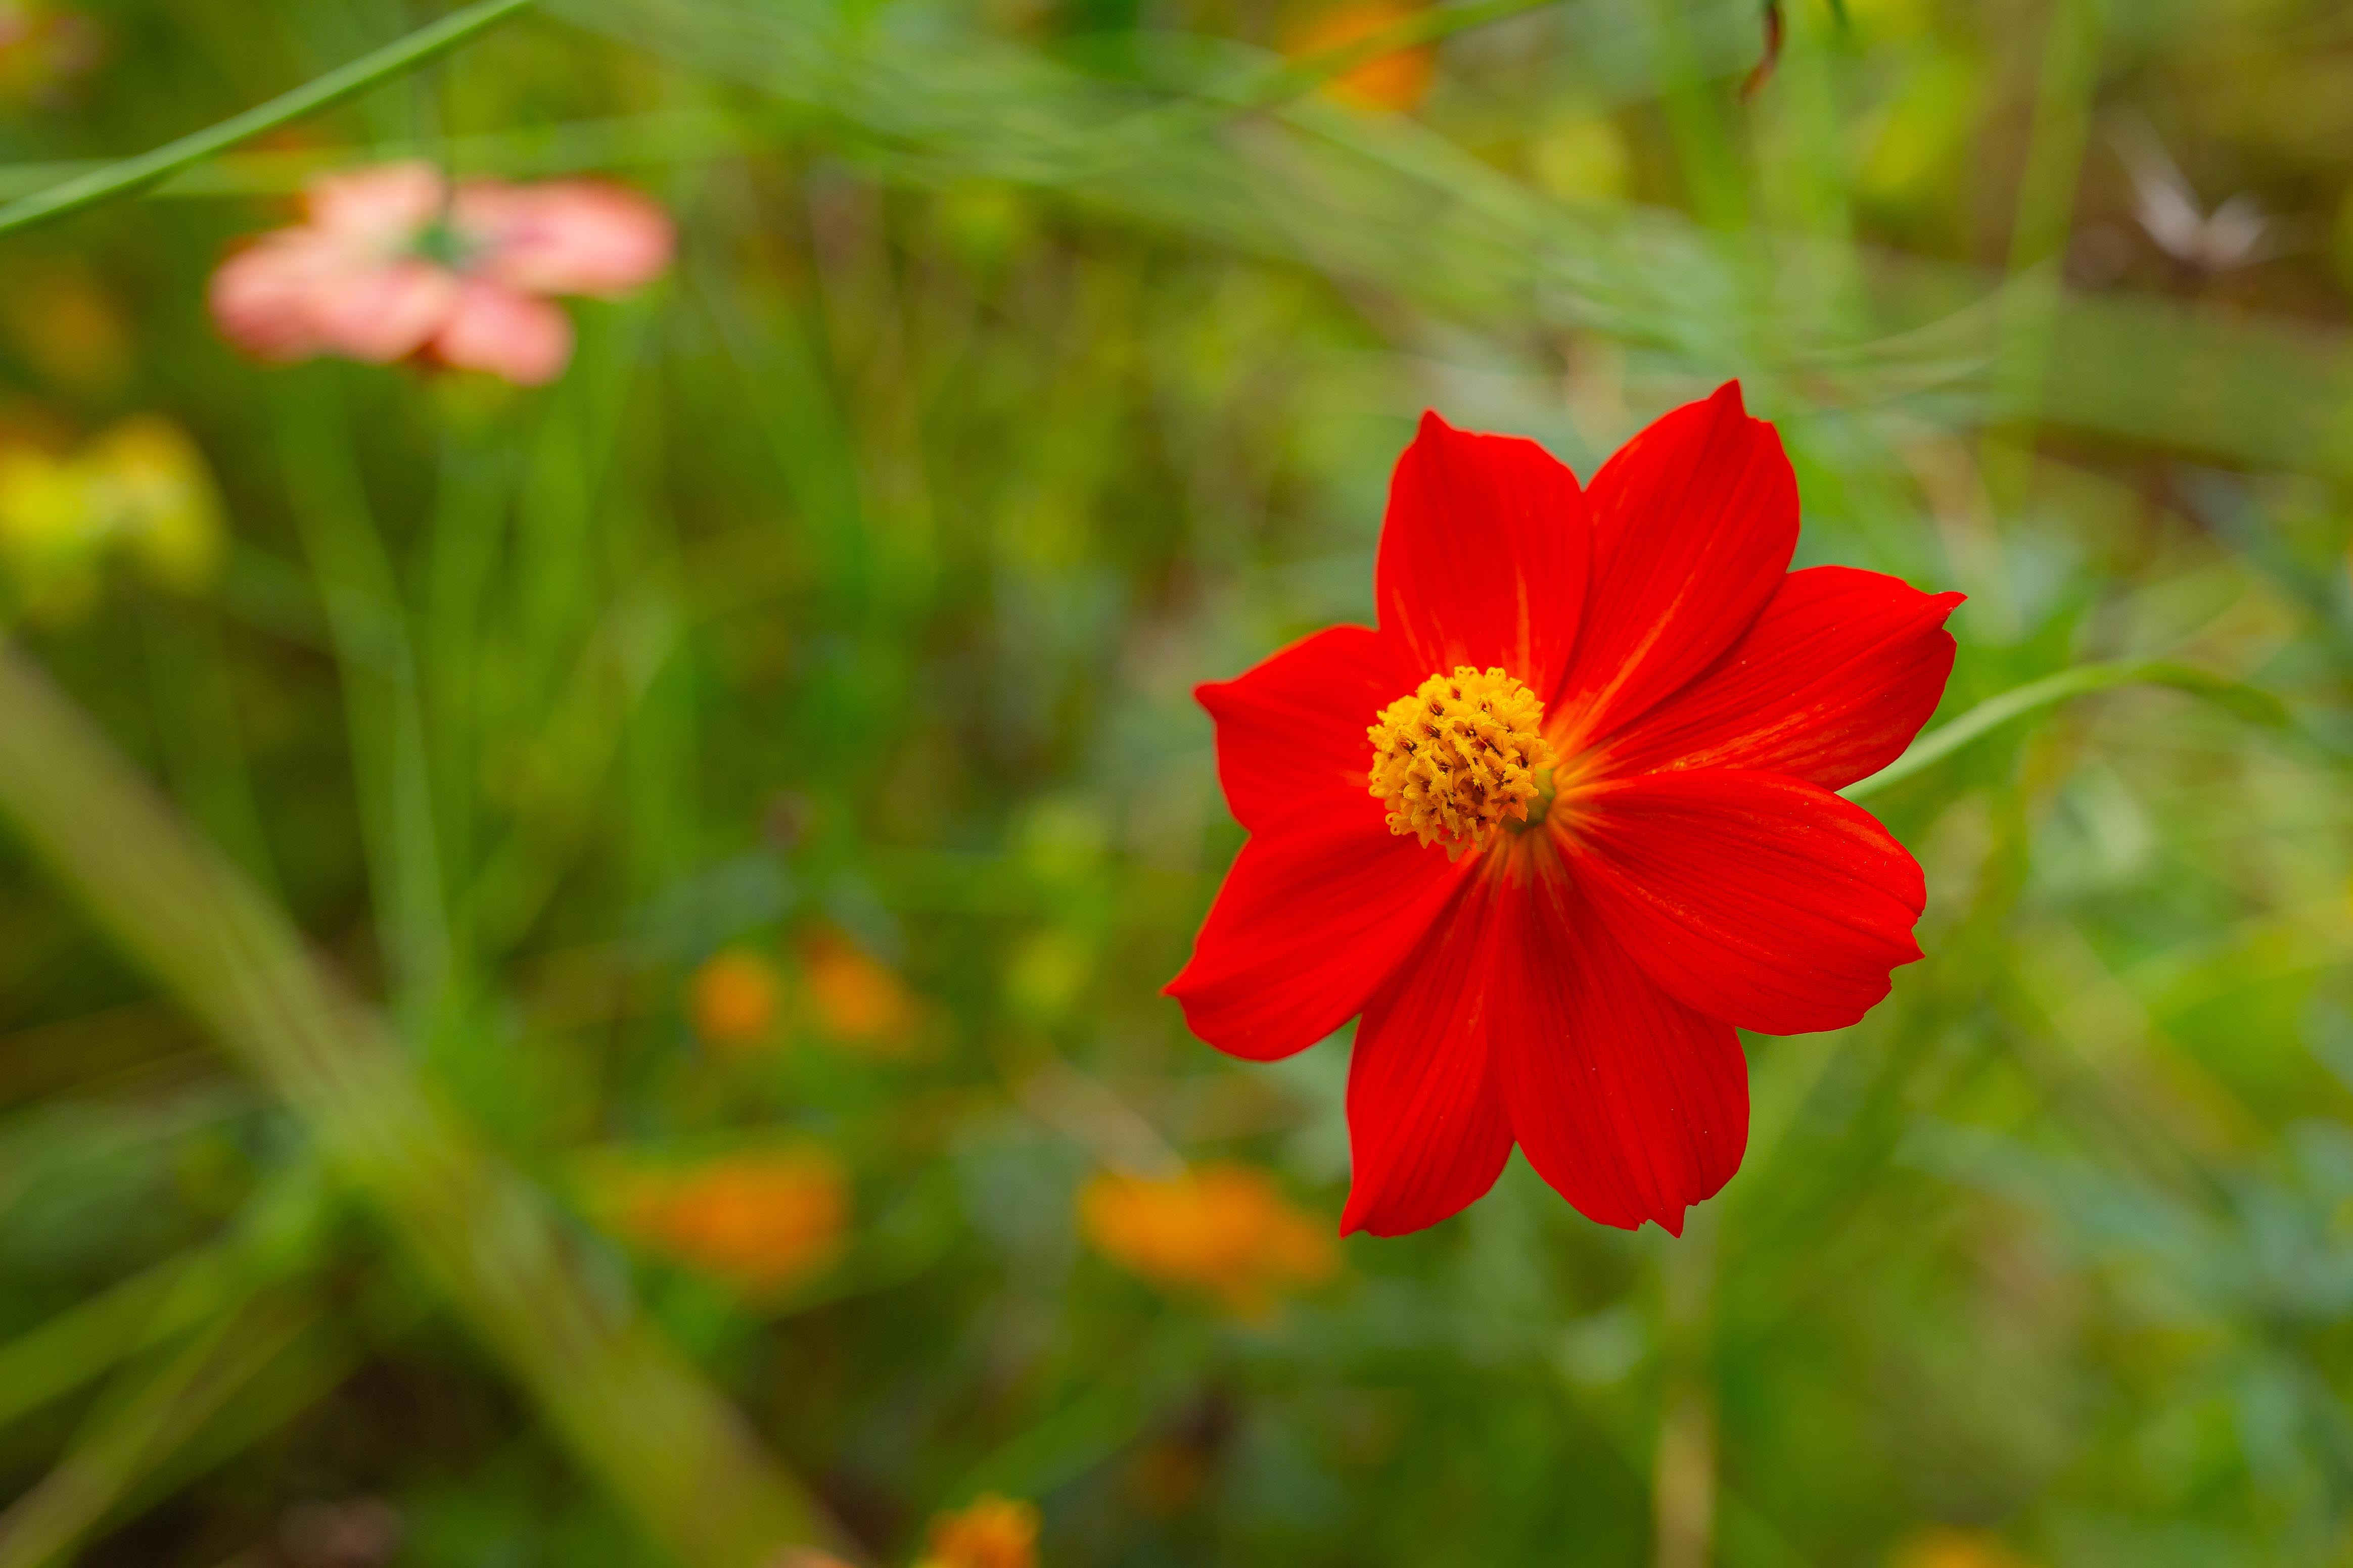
(1459, 758)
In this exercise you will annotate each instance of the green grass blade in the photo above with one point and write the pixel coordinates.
(2247, 702)
(46, 1523)
(634, 1411)
(133, 174)
(141, 1313)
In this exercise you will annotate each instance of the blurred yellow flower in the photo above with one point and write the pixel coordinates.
(150, 485)
(994, 1532)
(45, 509)
(1225, 1230)
(1945, 1547)
(759, 1221)
(733, 999)
(1583, 156)
(142, 490)
(856, 1000)
(1396, 82)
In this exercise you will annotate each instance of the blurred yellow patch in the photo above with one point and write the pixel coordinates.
(1919, 132)
(1225, 1230)
(760, 1221)
(734, 998)
(151, 485)
(1944, 1547)
(1047, 973)
(1395, 82)
(854, 999)
(1877, 19)
(140, 491)
(1583, 157)
(994, 1532)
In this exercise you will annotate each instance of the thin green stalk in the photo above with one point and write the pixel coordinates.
(129, 1442)
(1995, 712)
(2043, 219)
(569, 147)
(141, 1313)
(360, 588)
(133, 174)
(634, 1411)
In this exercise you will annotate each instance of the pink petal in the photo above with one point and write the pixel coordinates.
(384, 312)
(572, 237)
(511, 335)
(383, 207)
(264, 297)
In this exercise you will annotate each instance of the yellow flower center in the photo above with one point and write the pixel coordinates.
(1461, 757)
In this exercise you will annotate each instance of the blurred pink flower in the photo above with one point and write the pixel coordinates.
(392, 264)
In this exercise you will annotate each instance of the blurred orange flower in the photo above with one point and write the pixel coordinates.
(1223, 1229)
(994, 1532)
(733, 998)
(759, 1221)
(857, 1000)
(392, 263)
(1945, 1547)
(1397, 81)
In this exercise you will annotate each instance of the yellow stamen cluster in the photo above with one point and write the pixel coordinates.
(1460, 757)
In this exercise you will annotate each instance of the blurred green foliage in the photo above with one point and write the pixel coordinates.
(1025, 363)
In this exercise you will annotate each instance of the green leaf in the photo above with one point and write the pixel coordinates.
(2247, 702)
(135, 175)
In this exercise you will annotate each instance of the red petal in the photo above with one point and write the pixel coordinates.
(1631, 1104)
(1693, 522)
(1829, 684)
(1484, 555)
(1426, 1126)
(1309, 922)
(1755, 898)
(1292, 729)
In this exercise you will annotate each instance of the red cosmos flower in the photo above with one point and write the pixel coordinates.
(1590, 828)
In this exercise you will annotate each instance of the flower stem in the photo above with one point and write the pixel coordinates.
(133, 174)
(1683, 1474)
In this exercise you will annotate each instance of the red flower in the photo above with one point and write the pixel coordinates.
(1592, 830)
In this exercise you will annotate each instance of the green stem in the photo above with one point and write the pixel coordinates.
(1996, 712)
(44, 1525)
(132, 174)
